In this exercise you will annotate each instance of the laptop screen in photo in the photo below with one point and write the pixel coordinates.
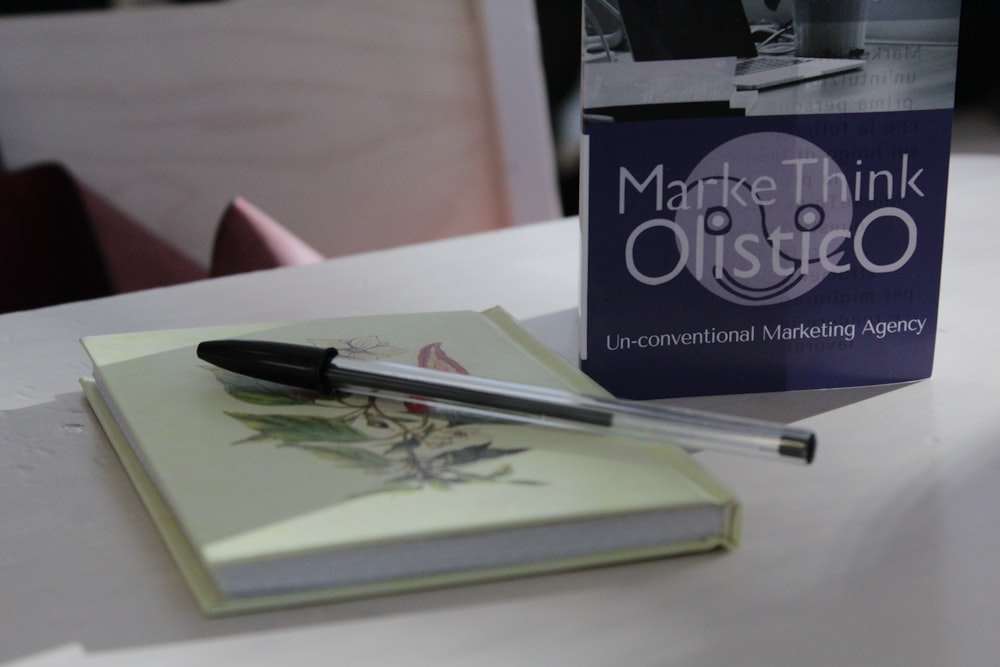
(686, 29)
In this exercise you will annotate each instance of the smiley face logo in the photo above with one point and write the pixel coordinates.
(766, 218)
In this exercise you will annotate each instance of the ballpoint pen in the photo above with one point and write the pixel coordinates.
(324, 370)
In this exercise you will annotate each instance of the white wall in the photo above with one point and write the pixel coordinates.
(357, 123)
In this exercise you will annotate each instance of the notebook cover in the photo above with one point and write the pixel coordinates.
(234, 473)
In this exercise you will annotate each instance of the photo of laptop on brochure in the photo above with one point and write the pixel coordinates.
(689, 29)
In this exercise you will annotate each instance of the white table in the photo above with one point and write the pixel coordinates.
(885, 552)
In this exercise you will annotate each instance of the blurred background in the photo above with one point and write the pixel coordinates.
(559, 21)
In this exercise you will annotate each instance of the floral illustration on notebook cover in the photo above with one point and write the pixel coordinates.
(410, 445)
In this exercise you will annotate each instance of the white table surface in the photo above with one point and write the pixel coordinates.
(885, 552)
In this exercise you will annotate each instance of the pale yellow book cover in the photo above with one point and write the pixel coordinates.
(268, 495)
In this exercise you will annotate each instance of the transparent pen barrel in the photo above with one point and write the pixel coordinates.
(532, 404)
(749, 438)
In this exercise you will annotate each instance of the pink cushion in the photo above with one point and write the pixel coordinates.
(135, 258)
(250, 240)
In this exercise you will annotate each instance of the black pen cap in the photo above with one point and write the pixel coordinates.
(285, 363)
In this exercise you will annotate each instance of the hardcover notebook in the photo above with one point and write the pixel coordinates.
(772, 240)
(269, 496)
